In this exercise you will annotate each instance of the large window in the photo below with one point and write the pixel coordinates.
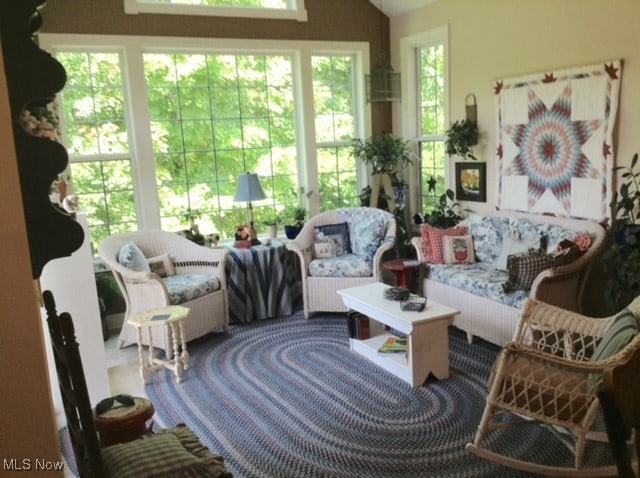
(203, 118)
(426, 65)
(333, 93)
(94, 119)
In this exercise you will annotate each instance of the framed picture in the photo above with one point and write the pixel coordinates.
(471, 181)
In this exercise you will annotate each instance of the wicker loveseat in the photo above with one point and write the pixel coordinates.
(476, 289)
(196, 281)
(371, 232)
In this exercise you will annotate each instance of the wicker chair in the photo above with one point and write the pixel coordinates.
(319, 293)
(547, 376)
(144, 290)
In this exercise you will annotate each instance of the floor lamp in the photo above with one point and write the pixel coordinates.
(249, 189)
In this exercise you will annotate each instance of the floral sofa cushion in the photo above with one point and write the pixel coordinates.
(183, 288)
(348, 265)
(480, 278)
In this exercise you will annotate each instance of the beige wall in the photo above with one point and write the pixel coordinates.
(27, 420)
(491, 39)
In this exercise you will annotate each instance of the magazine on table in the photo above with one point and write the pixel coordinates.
(394, 344)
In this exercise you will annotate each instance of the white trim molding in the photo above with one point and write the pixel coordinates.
(295, 11)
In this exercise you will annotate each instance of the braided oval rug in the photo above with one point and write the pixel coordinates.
(286, 398)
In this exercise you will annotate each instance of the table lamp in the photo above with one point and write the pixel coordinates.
(249, 189)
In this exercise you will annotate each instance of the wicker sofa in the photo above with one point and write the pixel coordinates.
(476, 289)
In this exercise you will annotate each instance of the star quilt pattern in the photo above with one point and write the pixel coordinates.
(554, 140)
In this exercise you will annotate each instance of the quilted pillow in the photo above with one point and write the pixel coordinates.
(622, 331)
(131, 257)
(368, 234)
(523, 268)
(158, 456)
(432, 245)
(162, 265)
(338, 233)
(458, 249)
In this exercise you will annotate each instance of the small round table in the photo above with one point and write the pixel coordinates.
(120, 423)
(402, 268)
(172, 316)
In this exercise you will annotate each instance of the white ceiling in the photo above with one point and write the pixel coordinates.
(398, 7)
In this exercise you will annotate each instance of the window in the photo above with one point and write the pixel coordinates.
(280, 9)
(213, 118)
(97, 141)
(333, 95)
(425, 59)
(205, 113)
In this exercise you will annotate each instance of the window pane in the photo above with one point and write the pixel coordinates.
(233, 113)
(335, 128)
(431, 91)
(92, 106)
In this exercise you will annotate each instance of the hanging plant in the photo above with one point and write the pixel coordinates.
(460, 137)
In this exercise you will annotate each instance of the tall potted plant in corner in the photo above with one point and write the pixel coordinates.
(461, 136)
(621, 259)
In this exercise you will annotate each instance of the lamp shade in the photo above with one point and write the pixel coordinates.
(249, 188)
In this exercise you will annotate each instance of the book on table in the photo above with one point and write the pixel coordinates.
(394, 344)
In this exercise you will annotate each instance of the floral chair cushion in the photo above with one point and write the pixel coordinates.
(348, 265)
(368, 234)
(183, 288)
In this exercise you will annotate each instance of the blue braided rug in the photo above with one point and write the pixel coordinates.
(286, 398)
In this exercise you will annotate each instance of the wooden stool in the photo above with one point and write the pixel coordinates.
(121, 423)
(172, 316)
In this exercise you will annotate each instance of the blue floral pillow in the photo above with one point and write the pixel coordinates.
(338, 234)
(487, 234)
(131, 257)
(368, 234)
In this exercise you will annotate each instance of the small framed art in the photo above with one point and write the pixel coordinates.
(471, 182)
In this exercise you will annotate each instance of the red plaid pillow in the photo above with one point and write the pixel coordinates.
(432, 247)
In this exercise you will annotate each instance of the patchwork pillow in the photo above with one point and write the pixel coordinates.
(523, 268)
(162, 265)
(131, 257)
(514, 243)
(338, 233)
(458, 249)
(432, 244)
(368, 234)
(622, 331)
(158, 456)
(324, 249)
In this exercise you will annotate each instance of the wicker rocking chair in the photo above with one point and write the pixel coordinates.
(550, 375)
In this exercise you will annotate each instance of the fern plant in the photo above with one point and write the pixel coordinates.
(460, 137)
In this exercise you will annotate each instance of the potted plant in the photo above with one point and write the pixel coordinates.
(385, 153)
(292, 229)
(446, 213)
(272, 226)
(621, 259)
(460, 137)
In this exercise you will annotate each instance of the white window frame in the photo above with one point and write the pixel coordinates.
(296, 10)
(410, 111)
(141, 148)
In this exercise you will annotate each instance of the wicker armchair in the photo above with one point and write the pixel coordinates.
(147, 290)
(320, 293)
(547, 376)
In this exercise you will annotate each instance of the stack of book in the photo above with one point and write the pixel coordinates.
(394, 344)
(358, 325)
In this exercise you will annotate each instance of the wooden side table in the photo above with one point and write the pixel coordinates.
(172, 316)
(121, 423)
(402, 268)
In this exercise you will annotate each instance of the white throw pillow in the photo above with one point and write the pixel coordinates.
(162, 265)
(512, 244)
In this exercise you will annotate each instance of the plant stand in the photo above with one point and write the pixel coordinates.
(382, 179)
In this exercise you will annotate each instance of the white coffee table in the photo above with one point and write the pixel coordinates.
(427, 334)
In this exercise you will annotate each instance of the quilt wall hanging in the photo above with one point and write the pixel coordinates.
(554, 140)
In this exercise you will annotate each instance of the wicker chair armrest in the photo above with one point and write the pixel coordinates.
(146, 293)
(416, 242)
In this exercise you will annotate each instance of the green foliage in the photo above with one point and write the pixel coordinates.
(446, 213)
(622, 257)
(295, 216)
(385, 153)
(460, 137)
